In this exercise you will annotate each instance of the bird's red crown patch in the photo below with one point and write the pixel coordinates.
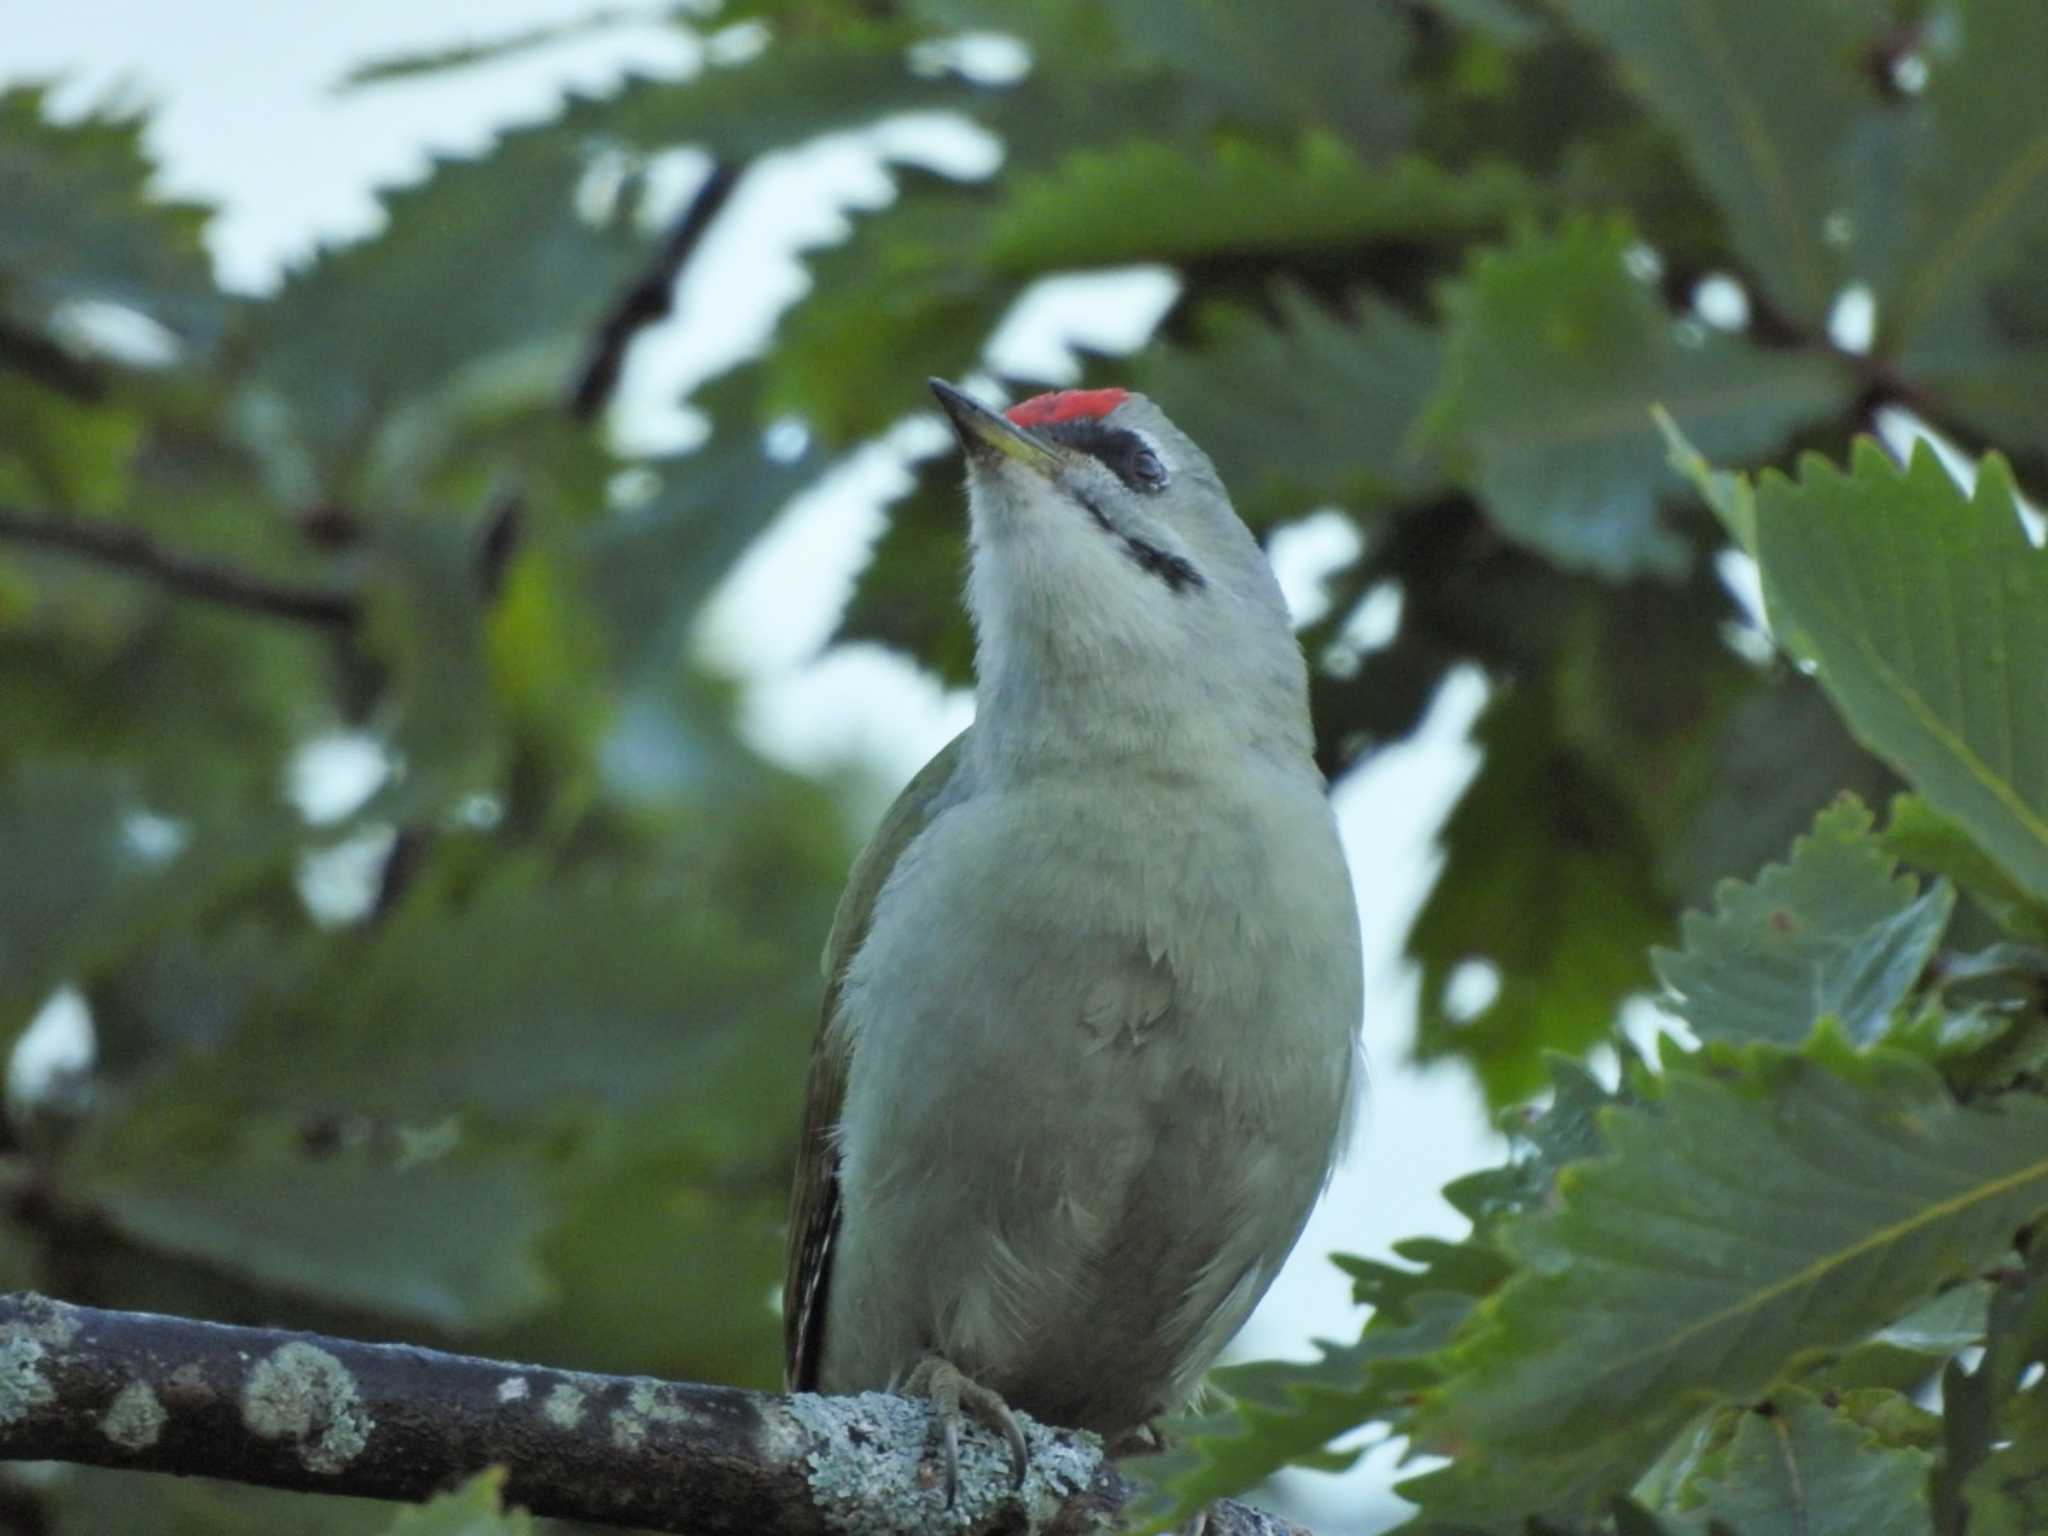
(1066, 405)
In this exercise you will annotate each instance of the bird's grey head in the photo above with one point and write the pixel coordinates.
(1119, 601)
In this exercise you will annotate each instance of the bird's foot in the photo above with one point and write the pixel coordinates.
(952, 1392)
(1145, 1440)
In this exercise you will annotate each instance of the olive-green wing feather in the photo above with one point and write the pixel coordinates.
(814, 1202)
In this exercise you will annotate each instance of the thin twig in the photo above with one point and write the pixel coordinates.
(390, 1421)
(128, 549)
(650, 296)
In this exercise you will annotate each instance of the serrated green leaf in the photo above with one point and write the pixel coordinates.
(1922, 836)
(1802, 1469)
(485, 283)
(1775, 116)
(1140, 200)
(1927, 615)
(1657, 1284)
(1834, 932)
(477, 1508)
(1285, 1413)
(1313, 408)
(1556, 355)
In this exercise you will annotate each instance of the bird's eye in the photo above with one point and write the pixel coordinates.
(1148, 472)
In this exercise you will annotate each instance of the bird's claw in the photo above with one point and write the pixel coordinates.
(951, 1392)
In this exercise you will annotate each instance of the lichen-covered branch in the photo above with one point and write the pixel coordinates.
(294, 1410)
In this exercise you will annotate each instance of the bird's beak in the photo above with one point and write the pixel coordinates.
(988, 435)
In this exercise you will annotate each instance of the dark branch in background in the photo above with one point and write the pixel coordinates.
(650, 296)
(498, 540)
(391, 1421)
(129, 550)
(39, 358)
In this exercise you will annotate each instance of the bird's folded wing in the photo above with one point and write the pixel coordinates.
(814, 1200)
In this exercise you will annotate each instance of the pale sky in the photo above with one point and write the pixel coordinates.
(246, 118)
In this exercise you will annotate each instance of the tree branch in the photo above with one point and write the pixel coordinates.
(650, 296)
(390, 1421)
(127, 549)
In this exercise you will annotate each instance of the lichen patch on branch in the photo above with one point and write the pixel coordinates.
(45, 1325)
(135, 1418)
(301, 1392)
(645, 1408)
(564, 1406)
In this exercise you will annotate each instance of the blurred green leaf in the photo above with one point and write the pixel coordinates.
(531, 990)
(1777, 114)
(1906, 1355)
(82, 226)
(448, 1242)
(1777, 759)
(487, 278)
(91, 1501)
(1573, 468)
(1144, 201)
(475, 1509)
(1834, 933)
(1312, 407)
(1646, 1293)
(794, 90)
(58, 455)
(904, 298)
(907, 597)
(2007, 1493)
(669, 1247)
(1982, 368)
(1284, 62)
(78, 880)
(1544, 880)
(648, 567)
(435, 61)
(1993, 1475)
(1981, 191)
(1888, 579)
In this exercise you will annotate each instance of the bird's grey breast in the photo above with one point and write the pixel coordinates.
(1130, 1006)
